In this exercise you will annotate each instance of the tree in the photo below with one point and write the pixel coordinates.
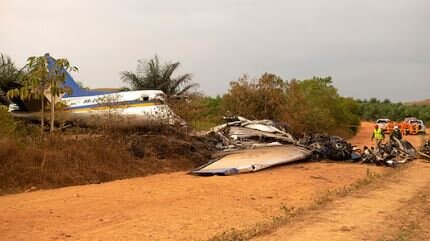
(199, 111)
(314, 105)
(55, 80)
(9, 76)
(153, 75)
(262, 98)
(9, 73)
(45, 77)
(373, 109)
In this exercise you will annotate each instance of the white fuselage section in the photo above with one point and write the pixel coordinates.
(128, 108)
(135, 106)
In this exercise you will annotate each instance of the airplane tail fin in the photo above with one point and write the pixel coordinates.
(71, 83)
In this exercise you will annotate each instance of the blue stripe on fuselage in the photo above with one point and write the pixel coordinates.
(122, 103)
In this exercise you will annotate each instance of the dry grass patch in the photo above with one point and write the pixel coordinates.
(60, 160)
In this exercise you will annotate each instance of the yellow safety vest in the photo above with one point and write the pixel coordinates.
(378, 134)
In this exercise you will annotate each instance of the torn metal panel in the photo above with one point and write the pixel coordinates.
(238, 133)
(252, 160)
(241, 133)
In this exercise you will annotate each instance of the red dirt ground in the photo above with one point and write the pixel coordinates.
(172, 206)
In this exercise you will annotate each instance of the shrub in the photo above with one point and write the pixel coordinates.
(262, 98)
(314, 105)
(200, 112)
(8, 125)
(58, 161)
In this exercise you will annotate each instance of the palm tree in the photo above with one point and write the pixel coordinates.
(153, 75)
(9, 76)
(8, 72)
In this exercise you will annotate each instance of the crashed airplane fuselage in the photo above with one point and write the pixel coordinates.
(131, 108)
(91, 108)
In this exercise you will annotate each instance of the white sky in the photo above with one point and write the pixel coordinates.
(371, 48)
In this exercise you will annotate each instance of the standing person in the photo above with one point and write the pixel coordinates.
(390, 127)
(396, 134)
(378, 134)
(404, 127)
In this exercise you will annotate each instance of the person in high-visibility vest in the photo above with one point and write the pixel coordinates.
(378, 134)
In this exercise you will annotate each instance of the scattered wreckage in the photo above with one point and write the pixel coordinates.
(252, 145)
(339, 149)
(391, 154)
(241, 133)
(249, 146)
(328, 147)
(425, 151)
(251, 160)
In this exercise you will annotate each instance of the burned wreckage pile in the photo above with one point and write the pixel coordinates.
(425, 151)
(338, 149)
(248, 146)
(393, 153)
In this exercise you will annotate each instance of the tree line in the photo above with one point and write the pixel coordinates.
(373, 109)
(312, 105)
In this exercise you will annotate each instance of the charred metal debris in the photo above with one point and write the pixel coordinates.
(425, 150)
(393, 153)
(239, 133)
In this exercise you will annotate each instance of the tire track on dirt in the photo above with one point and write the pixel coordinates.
(362, 215)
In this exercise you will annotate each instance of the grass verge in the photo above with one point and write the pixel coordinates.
(59, 161)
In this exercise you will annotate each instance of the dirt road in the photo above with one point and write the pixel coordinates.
(396, 209)
(178, 206)
(168, 206)
(365, 132)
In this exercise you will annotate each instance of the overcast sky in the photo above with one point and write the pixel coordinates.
(371, 48)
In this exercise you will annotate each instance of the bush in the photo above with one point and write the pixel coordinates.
(200, 112)
(8, 125)
(314, 105)
(262, 98)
